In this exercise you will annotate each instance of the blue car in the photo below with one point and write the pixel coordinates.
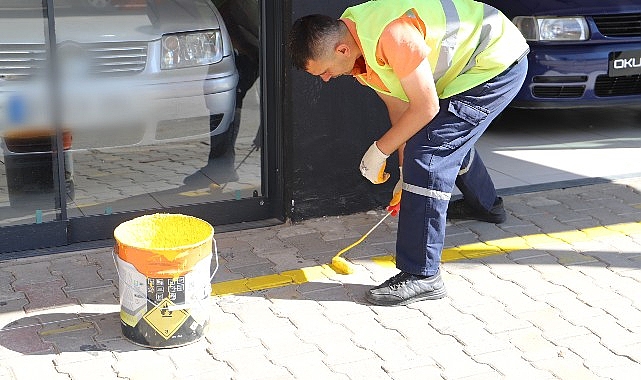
(583, 53)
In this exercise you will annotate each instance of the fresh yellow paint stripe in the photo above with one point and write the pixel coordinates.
(468, 251)
(626, 228)
(297, 276)
(388, 261)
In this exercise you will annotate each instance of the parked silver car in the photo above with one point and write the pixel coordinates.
(130, 72)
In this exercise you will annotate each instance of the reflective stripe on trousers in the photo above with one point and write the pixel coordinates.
(431, 164)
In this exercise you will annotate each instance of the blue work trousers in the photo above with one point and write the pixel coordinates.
(441, 155)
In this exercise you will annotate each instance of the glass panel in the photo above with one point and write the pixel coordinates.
(28, 188)
(162, 102)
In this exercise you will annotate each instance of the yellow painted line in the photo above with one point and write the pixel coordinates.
(468, 251)
(626, 228)
(307, 274)
(577, 236)
(538, 240)
(229, 287)
(76, 327)
(195, 193)
(510, 244)
(296, 276)
(388, 261)
(268, 282)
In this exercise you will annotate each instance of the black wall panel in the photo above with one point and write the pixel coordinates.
(327, 129)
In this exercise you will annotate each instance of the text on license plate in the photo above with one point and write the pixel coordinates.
(624, 63)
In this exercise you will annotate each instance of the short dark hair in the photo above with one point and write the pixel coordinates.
(308, 38)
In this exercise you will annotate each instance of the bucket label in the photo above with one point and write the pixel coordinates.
(198, 287)
(165, 318)
(164, 312)
(160, 288)
(133, 300)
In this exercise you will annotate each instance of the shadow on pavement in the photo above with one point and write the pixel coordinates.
(51, 333)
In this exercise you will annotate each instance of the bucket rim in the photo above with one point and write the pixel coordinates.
(181, 247)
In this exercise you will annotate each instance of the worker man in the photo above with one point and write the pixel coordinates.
(444, 69)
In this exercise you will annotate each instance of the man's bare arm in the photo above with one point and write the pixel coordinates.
(395, 108)
(409, 118)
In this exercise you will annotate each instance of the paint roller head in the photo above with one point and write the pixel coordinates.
(340, 265)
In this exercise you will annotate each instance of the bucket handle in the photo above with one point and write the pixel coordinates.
(174, 307)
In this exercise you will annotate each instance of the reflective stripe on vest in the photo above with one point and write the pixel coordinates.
(491, 23)
(448, 45)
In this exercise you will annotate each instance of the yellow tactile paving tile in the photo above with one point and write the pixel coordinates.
(468, 251)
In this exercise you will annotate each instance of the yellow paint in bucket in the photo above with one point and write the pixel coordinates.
(164, 245)
(163, 263)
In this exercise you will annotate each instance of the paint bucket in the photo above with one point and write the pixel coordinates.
(163, 263)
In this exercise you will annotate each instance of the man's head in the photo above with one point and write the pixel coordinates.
(322, 46)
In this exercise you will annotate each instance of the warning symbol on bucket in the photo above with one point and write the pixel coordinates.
(165, 319)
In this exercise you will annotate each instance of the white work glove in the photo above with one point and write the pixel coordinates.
(373, 165)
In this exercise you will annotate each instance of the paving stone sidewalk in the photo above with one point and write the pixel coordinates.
(553, 293)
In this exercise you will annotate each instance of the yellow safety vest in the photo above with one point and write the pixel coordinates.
(470, 42)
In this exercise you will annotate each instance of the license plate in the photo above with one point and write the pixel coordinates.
(623, 63)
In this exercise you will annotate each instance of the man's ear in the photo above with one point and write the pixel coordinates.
(342, 49)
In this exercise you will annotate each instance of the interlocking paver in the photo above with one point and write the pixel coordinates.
(340, 349)
(99, 366)
(457, 364)
(19, 340)
(31, 272)
(567, 366)
(107, 325)
(104, 259)
(142, 363)
(252, 363)
(628, 371)
(362, 369)
(610, 332)
(476, 337)
(595, 356)
(194, 361)
(34, 367)
(69, 335)
(422, 372)
(45, 295)
(313, 246)
(308, 365)
(511, 365)
(12, 310)
(106, 294)
(459, 235)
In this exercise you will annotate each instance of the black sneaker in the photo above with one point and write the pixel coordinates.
(459, 209)
(405, 288)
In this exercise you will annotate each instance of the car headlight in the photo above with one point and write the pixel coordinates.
(191, 49)
(552, 28)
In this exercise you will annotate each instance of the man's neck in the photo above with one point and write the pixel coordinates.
(351, 39)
